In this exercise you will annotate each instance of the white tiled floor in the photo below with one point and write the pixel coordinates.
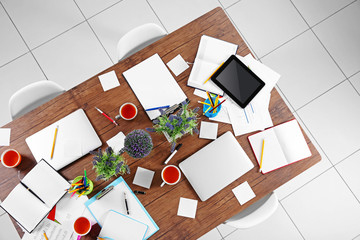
(314, 44)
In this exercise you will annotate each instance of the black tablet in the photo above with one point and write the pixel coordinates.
(237, 81)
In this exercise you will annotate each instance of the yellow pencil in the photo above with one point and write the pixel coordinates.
(262, 154)
(207, 110)
(53, 146)
(216, 102)
(82, 193)
(210, 99)
(213, 73)
(204, 103)
(46, 238)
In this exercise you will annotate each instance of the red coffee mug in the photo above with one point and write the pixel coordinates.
(10, 158)
(82, 226)
(170, 175)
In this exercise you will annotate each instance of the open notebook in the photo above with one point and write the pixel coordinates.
(24, 206)
(211, 54)
(121, 227)
(284, 144)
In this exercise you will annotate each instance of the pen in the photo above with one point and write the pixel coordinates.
(53, 146)
(213, 73)
(156, 108)
(126, 204)
(139, 192)
(176, 149)
(104, 192)
(262, 154)
(46, 238)
(217, 105)
(27, 188)
(110, 119)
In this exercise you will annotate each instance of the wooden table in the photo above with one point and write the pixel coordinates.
(161, 203)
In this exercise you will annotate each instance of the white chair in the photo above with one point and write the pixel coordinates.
(32, 96)
(256, 213)
(138, 38)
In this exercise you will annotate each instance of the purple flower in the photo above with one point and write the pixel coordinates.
(171, 127)
(171, 118)
(190, 118)
(150, 129)
(184, 102)
(109, 151)
(182, 132)
(138, 143)
(196, 109)
(196, 130)
(94, 163)
(162, 112)
(173, 144)
(179, 112)
(127, 169)
(118, 167)
(186, 126)
(179, 122)
(156, 121)
(99, 177)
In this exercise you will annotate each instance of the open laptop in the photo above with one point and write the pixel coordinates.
(75, 138)
(216, 165)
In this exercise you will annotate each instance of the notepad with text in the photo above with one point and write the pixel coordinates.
(24, 206)
(284, 145)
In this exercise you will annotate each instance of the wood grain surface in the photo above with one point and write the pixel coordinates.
(161, 203)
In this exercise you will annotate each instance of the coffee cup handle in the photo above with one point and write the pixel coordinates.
(118, 117)
(163, 183)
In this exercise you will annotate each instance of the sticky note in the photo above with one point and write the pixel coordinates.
(200, 93)
(187, 207)
(244, 193)
(5, 136)
(208, 130)
(116, 142)
(177, 65)
(143, 177)
(109, 80)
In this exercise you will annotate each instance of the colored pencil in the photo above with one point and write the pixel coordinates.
(216, 102)
(85, 178)
(46, 238)
(218, 105)
(53, 146)
(207, 110)
(204, 103)
(210, 99)
(262, 154)
(213, 73)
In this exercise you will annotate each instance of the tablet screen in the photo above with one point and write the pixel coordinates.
(238, 81)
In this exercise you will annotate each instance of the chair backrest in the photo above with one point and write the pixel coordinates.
(256, 213)
(138, 38)
(32, 96)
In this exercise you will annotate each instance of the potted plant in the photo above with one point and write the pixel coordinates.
(138, 144)
(108, 164)
(176, 125)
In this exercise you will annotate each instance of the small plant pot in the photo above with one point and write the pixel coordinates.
(208, 113)
(91, 184)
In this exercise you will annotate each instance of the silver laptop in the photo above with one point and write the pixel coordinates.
(216, 165)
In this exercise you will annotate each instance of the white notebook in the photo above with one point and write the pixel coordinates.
(154, 85)
(284, 144)
(24, 206)
(211, 54)
(121, 227)
(75, 138)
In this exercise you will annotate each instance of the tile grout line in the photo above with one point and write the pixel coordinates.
(232, 4)
(356, 237)
(312, 30)
(292, 220)
(15, 59)
(241, 35)
(94, 32)
(24, 40)
(222, 238)
(157, 16)
(347, 185)
(226, 234)
(101, 10)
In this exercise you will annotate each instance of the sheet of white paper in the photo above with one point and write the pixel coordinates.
(187, 207)
(5, 136)
(177, 65)
(116, 142)
(200, 93)
(223, 115)
(208, 130)
(109, 80)
(143, 177)
(244, 193)
(54, 231)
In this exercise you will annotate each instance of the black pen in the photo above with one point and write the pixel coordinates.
(139, 192)
(176, 149)
(126, 205)
(27, 188)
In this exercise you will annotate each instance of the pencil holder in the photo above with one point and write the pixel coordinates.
(208, 113)
(91, 185)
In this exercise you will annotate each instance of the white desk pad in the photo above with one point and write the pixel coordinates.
(208, 130)
(177, 65)
(109, 80)
(5, 136)
(187, 207)
(143, 177)
(116, 142)
(244, 193)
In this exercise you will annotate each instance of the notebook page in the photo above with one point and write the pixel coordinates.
(121, 227)
(292, 141)
(215, 51)
(48, 184)
(25, 207)
(273, 157)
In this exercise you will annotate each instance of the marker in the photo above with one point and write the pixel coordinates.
(110, 119)
(139, 192)
(126, 204)
(156, 108)
(176, 149)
